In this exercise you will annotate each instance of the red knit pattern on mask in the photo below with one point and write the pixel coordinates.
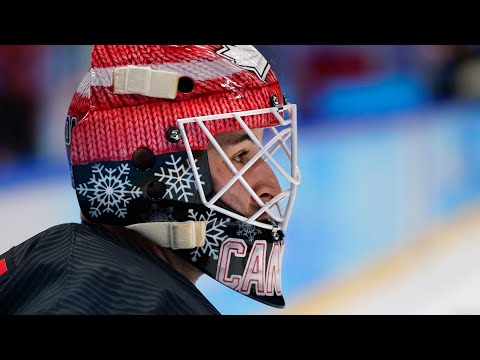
(112, 127)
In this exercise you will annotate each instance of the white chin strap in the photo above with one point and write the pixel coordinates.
(173, 235)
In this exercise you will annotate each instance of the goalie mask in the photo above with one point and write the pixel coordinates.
(195, 148)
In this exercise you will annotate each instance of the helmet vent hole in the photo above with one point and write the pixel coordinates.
(143, 158)
(156, 190)
(185, 84)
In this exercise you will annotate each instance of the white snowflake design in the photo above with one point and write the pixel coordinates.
(160, 214)
(215, 233)
(248, 230)
(180, 180)
(110, 192)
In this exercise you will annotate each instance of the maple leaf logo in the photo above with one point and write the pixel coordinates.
(247, 58)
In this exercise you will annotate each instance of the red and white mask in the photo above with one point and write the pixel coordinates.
(195, 147)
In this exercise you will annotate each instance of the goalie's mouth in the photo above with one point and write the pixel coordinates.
(264, 218)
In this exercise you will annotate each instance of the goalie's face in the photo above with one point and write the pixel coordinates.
(240, 149)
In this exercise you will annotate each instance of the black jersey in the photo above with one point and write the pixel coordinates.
(85, 269)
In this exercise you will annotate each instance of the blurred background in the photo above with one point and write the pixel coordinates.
(387, 218)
